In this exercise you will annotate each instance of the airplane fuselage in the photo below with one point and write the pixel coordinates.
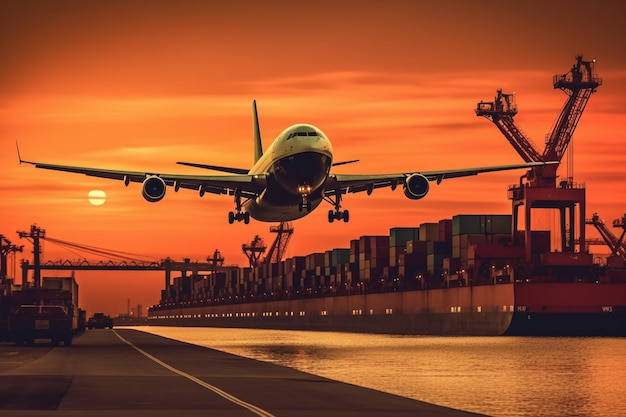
(298, 163)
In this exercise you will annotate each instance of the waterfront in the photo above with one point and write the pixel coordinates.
(498, 376)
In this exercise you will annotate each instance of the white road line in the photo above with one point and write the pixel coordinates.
(256, 410)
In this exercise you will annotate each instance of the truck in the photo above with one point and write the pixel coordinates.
(100, 321)
(30, 322)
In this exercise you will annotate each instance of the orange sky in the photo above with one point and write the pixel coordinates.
(143, 84)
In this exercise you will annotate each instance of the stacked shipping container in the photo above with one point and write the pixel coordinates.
(432, 255)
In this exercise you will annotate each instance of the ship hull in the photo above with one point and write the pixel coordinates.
(572, 309)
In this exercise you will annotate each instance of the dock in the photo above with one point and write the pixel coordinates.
(123, 372)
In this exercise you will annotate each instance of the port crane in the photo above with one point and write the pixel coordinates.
(617, 245)
(6, 247)
(124, 261)
(256, 248)
(540, 189)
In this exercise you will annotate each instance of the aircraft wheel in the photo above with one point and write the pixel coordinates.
(331, 216)
(246, 218)
(231, 217)
(346, 216)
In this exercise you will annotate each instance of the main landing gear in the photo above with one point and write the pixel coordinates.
(238, 215)
(337, 214)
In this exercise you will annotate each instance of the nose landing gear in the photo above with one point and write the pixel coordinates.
(305, 191)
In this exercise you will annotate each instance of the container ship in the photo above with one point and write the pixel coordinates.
(489, 274)
(459, 276)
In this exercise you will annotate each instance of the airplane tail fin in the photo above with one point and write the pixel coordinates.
(258, 144)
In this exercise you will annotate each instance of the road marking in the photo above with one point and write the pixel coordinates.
(256, 410)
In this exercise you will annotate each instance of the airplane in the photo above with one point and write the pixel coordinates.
(287, 182)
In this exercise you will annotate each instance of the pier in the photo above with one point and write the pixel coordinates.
(129, 372)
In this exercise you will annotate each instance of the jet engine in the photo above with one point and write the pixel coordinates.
(416, 186)
(153, 189)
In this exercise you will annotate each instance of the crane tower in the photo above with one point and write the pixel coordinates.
(255, 249)
(278, 249)
(540, 189)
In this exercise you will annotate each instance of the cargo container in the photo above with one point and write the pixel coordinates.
(398, 236)
(429, 231)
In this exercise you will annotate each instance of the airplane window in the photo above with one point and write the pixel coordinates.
(294, 134)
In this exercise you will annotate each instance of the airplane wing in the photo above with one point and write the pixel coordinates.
(354, 183)
(248, 185)
(231, 170)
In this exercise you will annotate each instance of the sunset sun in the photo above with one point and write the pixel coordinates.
(97, 197)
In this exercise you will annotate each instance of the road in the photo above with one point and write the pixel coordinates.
(125, 372)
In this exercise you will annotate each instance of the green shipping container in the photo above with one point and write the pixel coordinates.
(398, 236)
(470, 224)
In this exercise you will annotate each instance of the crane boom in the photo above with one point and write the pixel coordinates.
(579, 83)
(617, 245)
(501, 112)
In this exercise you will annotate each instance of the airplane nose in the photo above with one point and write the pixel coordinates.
(302, 173)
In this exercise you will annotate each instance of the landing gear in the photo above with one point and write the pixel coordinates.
(305, 191)
(238, 215)
(233, 217)
(337, 214)
(304, 205)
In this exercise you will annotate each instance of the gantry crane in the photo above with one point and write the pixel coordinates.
(540, 190)
(278, 249)
(255, 249)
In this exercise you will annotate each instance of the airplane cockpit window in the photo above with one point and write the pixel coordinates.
(294, 134)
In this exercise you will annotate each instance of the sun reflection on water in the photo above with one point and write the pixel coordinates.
(498, 376)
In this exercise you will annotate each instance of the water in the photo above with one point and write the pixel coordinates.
(497, 376)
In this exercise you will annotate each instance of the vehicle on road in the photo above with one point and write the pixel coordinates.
(30, 322)
(100, 321)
